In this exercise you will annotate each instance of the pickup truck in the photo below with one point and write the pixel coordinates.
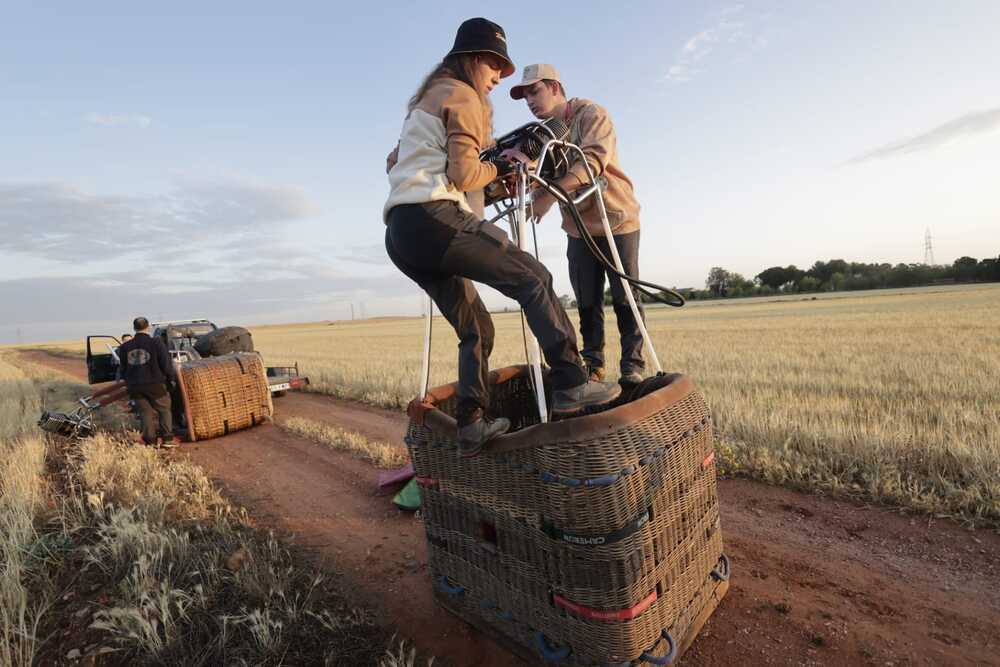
(180, 337)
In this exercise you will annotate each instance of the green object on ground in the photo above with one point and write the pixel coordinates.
(409, 497)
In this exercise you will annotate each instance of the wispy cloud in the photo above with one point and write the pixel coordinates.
(978, 122)
(122, 296)
(62, 222)
(139, 120)
(731, 29)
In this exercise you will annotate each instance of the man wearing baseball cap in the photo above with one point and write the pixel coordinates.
(592, 130)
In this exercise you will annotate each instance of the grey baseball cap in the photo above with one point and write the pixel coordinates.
(532, 75)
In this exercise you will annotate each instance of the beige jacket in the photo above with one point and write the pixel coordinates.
(592, 130)
(439, 146)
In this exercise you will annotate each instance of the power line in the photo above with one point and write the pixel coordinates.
(928, 249)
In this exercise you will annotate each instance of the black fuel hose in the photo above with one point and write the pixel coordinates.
(676, 299)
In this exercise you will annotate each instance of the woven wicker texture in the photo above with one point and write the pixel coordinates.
(226, 394)
(595, 545)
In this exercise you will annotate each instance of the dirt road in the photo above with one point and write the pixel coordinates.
(815, 581)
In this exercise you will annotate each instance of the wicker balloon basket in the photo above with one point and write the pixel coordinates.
(589, 541)
(224, 394)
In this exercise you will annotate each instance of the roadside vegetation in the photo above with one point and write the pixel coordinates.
(111, 554)
(380, 454)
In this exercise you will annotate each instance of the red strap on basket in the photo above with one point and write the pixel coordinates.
(426, 481)
(602, 614)
(709, 460)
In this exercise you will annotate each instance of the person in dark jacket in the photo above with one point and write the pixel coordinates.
(146, 367)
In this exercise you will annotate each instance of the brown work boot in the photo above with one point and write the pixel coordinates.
(476, 430)
(595, 374)
(631, 378)
(587, 395)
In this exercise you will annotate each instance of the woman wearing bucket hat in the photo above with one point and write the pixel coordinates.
(436, 235)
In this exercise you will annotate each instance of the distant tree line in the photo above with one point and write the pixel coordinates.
(838, 275)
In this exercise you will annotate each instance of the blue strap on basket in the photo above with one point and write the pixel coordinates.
(667, 659)
(605, 480)
(721, 570)
(551, 654)
(452, 590)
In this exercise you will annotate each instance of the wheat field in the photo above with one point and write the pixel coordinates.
(889, 395)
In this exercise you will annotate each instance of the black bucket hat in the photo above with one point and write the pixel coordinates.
(482, 36)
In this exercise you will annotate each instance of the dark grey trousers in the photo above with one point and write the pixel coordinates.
(586, 273)
(442, 248)
(153, 403)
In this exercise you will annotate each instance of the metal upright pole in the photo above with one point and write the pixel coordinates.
(426, 367)
(534, 354)
(628, 288)
(595, 189)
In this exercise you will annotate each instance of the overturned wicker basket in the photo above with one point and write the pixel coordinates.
(224, 394)
(594, 540)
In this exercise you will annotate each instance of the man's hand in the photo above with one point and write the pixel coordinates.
(541, 202)
(391, 159)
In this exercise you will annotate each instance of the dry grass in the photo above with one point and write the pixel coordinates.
(22, 503)
(23, 493)
(403, 655)
(217, 592)
(110, 547)
(130, 476)
(380, 454)
(20, 402)
(890, 394)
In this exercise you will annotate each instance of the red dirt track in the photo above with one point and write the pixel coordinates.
(815, 581)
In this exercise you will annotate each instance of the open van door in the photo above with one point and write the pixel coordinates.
(102, 362)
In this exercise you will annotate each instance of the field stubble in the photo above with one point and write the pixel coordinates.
(891, 396)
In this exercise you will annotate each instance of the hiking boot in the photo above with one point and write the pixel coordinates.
(587, 395)
(480, 430)
(632, 378)
(595, 374)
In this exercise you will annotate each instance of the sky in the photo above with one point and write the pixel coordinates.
(226, 160)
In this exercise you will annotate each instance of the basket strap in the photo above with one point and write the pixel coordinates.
(598, 540)
(605, 614)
